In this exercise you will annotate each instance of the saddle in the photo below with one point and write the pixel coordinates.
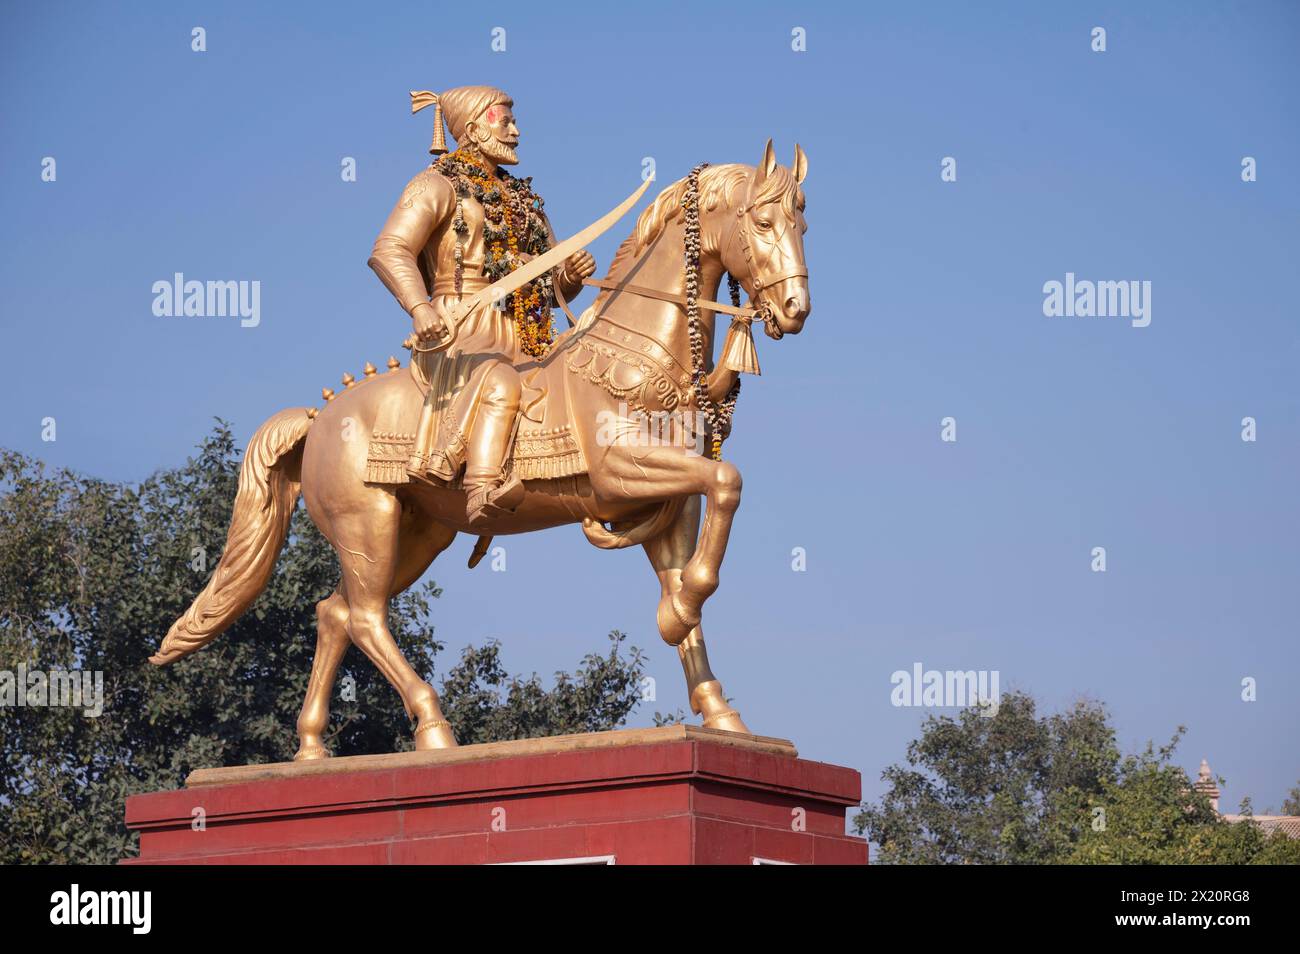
(544, 447)
(633, 368)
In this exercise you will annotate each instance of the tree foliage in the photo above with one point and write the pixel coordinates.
(1291, 804)
(1012, 787)
(92, 573)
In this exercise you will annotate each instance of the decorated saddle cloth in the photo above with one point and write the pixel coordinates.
(429, 426)
(631, 367)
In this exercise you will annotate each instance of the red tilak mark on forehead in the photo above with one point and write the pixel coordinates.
(493, 113)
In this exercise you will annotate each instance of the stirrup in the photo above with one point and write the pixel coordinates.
(487, 502)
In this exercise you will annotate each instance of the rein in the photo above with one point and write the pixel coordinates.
(749, 314)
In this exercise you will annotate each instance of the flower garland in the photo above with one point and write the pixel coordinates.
(513, 227)
(717, 415)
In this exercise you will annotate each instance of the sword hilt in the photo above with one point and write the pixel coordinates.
(412, 343)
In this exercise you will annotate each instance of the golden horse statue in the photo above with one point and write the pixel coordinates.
(631, 356)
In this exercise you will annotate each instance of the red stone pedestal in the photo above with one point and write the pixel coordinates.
(674, 795)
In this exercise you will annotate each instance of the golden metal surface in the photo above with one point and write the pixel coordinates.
(521, 276)
(488, 751)
(628, 355)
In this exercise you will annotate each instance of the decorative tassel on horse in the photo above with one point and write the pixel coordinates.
(739, 353)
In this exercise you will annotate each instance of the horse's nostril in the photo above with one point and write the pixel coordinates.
(793, 305)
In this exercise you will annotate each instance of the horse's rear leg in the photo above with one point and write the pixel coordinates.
(331, 644)
(668, 554)
(419, 542)
(367, 541)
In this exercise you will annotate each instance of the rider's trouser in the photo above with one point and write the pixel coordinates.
(493, 428)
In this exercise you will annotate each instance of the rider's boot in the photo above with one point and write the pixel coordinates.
(489, 495)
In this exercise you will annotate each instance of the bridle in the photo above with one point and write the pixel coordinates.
(740, 235)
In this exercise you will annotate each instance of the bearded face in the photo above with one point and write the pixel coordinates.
(496, 135)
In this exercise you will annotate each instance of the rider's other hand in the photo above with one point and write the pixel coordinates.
(429, 325)
(579, 265)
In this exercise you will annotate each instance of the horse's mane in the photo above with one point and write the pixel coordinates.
(717, 183)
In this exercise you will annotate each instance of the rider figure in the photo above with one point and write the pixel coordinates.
(461, 224)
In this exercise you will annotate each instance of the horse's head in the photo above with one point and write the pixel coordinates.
(767, 253)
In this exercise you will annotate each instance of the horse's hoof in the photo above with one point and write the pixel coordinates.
(709, 701)
(434, 734)
(729, 721)
(311, 750)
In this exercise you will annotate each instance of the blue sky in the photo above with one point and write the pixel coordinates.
(927, 299)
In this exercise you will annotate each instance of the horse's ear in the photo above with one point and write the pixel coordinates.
(800, 163)
(768, 162)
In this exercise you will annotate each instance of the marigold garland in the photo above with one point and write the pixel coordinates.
(513, 226)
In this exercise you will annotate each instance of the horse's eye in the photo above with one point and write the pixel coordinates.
(764, 225)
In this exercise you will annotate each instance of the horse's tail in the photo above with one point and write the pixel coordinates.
(649, 528)
(269, 480)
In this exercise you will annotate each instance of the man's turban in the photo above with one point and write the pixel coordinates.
(459, 107)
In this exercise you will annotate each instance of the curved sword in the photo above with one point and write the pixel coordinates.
(534, 267)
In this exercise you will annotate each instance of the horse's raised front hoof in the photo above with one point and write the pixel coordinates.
(434, 734)
(311, 750)
(708, 700)
(675, 624)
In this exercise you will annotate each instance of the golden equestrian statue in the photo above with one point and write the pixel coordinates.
(498, 426)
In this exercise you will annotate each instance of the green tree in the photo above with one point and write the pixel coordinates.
(1007, 786)
(92, 573)
(1291, 804)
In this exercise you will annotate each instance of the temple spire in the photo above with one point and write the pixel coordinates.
(1206, 785)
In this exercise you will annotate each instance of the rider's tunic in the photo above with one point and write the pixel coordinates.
(415, 257)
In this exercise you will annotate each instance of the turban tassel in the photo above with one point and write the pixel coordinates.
(419, 100)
